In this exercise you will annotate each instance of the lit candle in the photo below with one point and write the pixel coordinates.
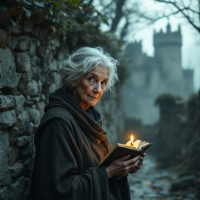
(130, 142)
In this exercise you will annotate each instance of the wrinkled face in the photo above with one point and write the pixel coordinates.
(89, 90)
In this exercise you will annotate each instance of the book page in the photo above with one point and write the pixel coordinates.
(136, 143)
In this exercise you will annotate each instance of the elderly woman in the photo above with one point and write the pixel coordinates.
(71, 140)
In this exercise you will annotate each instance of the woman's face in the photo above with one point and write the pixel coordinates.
(89, 90)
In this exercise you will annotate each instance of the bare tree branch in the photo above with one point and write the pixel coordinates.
(182, 11)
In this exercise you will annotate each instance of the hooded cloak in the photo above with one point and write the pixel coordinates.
(70, 142)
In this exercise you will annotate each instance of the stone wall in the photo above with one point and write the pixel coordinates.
(29, 64)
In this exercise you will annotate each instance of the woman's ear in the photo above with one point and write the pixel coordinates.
(73, 83)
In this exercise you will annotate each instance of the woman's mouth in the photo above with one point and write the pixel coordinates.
(93, 97)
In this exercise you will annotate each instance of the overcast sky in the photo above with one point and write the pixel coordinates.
(190, 38)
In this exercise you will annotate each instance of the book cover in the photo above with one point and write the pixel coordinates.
(120, 150)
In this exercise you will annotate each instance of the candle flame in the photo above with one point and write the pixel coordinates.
(131, 138)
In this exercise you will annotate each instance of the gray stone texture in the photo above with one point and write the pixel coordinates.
(16, 170)
(22, 46)
(33, 88)
(40, 107)
(28, 164)
(23, 123)
(53, 65)
(33, 46)
(6, 179)
(19, 104)
(8, 76)
(23, 140)
(13, 135)
(32, 128)
(17, 188)
(28, 26)
(22, 62)
(6, 102)
(12, 155)
(16, 41)
(4, 193)
(4, 145)
(7, 119)
(5, 39)
(34, 115)
(14, 30)
(27, 151)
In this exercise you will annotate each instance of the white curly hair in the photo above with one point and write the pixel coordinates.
(83, 61)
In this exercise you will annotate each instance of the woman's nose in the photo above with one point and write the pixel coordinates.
(97, 87)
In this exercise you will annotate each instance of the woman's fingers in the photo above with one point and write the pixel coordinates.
(123, 158)
(133, 166)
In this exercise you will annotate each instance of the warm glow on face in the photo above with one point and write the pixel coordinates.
(132, 138)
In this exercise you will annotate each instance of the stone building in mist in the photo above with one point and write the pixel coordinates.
(151, 76)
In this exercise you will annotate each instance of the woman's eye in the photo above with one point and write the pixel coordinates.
(103, 83)
(91, 79)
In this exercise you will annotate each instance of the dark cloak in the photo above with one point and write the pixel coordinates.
(70, 142)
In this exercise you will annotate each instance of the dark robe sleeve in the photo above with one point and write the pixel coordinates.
(57, 175)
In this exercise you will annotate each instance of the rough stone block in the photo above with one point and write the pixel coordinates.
(38, 74)
(19, 104)
(22, 46)
(34, 116)
(32, 128)
(39, 86)
(6, 179)
(28, 164)
(25, 78)
(33, 44)
(7, 119)
(22, 141)
(32, 88)
(50, 78)
(4, 193)
(28, 26)
(16, 170)
(6, 101)
(43, 63)
(26, 151)
(53, 65)
(40, 106)
(16, 41)
(22, 62)
(41, 50)
(13, 135)
(23, 123)
(8, 76)
(17, 188)
(35, 99)
(5, 39)
(12, 155)
(4, 145)
(53, 87)
(14, 30)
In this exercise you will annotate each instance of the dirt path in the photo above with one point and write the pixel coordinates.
(151, 183)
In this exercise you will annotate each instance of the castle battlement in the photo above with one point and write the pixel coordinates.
(169, 37)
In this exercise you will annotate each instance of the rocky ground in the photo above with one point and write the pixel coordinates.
(153, 183)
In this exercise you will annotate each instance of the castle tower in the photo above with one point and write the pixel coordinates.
(134, 53)
(168, 53)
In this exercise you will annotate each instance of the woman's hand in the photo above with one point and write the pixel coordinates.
(122, 166)
(139, 163)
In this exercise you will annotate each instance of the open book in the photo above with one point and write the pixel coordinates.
(119, 150)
